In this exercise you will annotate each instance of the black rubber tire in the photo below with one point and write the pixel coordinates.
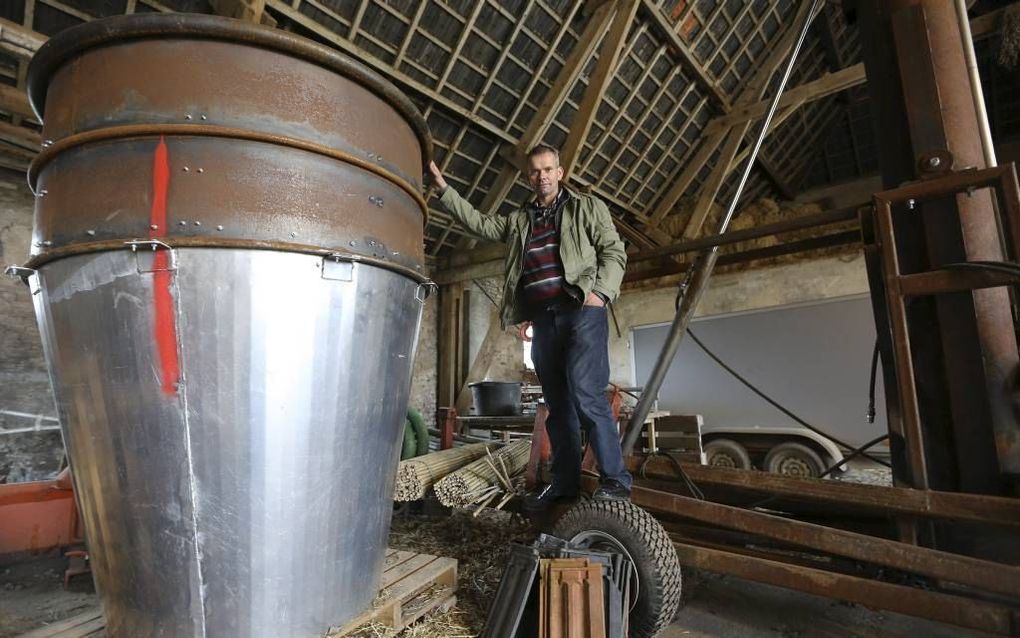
(785, 457)
(650, 548)
(731, 453)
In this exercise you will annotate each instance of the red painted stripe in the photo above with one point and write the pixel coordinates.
(163, 303)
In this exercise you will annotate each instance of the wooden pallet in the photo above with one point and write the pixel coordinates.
(412, 586)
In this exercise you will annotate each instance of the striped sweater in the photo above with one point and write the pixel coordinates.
(542, 279)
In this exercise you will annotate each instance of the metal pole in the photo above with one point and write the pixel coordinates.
(696, 282)
(987, 146)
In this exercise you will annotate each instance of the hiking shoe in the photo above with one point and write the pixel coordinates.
(611, 490)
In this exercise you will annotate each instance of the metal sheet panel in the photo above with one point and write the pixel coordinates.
(253, 499)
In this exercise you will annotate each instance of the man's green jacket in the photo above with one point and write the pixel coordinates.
(592, 253)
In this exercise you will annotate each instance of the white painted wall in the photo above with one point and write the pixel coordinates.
(781, 285)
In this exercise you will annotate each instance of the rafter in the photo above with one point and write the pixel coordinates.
(684, 51)
(609, 56)
(824, 86)
(547, 110)
(754, 92)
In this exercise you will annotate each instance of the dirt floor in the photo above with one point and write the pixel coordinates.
(31, 593)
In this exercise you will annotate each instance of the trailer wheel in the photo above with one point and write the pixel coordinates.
(727, 453)
(624, 528)
(794, 459)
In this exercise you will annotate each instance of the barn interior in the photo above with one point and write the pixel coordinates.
(812, 355)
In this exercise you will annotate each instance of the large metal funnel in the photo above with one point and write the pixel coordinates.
(227, 255)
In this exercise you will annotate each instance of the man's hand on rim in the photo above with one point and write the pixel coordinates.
(437, 178)
(594, 300)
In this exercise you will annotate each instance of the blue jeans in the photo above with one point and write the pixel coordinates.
(570, 348)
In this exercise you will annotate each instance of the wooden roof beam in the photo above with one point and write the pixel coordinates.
(809, 91)
(514, 154)
(754, 91)
(662, 24)
(550, 105)
(19, 40)
(716, 130)
(609, 58)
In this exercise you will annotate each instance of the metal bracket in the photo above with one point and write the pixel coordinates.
(19, 272)
(425, 290)
(151, 260)
(339, 266)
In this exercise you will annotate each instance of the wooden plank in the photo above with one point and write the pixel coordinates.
(609, 56)
(683, 181)
(565, 80)
(67, 625)
(551, 103)
(451, 344)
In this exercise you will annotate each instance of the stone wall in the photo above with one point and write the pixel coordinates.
(24, 382)
(426, 363)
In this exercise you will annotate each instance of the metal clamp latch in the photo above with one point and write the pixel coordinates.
(19, 272)
(424, 290)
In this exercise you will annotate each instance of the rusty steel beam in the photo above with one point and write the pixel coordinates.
(950, 506)
(982, 575)
(964, 350)
(946, 608)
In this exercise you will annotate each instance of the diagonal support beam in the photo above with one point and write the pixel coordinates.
(754, 92)
(552, 102)
(683, 49)
(609, 58)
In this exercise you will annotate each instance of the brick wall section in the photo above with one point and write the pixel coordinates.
(24, 382)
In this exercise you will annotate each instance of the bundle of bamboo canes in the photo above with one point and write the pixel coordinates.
(484, 480)
(415, 476)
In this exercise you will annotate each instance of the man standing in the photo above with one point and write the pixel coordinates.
(564, 263)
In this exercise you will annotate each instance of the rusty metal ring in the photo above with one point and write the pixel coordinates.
(203, 242)
(208, 130)
(119, 29)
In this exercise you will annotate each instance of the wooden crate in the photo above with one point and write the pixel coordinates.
(412, 586)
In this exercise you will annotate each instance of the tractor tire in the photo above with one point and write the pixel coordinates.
(794, 459)
(727, 453)
(624, 528)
